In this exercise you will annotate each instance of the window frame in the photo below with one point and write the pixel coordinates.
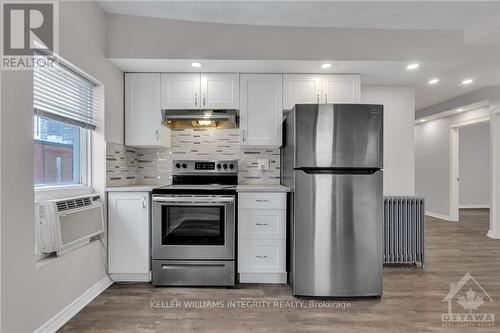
(86, 150)
(86, 140)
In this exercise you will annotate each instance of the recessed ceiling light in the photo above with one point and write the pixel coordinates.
(467, 81)
(412, 67)
(433, 81)
(196, 64)
(460, 110)
(326, 66)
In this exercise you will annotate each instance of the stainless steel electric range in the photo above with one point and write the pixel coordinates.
(193, 231)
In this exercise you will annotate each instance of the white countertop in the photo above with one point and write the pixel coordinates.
(132, 188)
(262, 188)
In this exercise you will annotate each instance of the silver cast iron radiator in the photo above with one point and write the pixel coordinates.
(404, 229)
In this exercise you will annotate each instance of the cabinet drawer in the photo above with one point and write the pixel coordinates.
(261, 224)
(262, 201)
(261, 256)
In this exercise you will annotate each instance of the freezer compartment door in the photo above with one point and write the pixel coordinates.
(337, 244)
(339, 136)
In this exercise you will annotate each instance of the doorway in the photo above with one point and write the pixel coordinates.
(470, 168)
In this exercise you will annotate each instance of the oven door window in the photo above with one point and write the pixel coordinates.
(192, 225)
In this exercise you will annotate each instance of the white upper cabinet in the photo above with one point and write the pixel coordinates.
(261, 110)
(220, 91)
(143, 118)
(192, 91)
(320, 88)
(341, 88)
(180, 91)
(301, 89)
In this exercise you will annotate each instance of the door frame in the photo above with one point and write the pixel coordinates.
(454, 163)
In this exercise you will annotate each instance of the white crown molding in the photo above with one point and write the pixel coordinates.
(470, 121)
(452, 112)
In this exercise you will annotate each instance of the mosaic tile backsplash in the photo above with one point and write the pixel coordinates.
(128, 166)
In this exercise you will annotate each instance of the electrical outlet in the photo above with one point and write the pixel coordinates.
(263, 163)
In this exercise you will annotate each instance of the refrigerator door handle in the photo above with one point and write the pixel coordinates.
(338, 171)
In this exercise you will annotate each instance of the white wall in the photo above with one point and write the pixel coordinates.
(474, 165)
(494, 231)
(432, 160)
(399, 144)
(31, 295)
(139, 37)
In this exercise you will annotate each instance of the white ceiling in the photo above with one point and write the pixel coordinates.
(337, 14)
(479, 21)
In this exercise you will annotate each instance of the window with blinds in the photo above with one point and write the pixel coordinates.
(63, 95)
(64, 117)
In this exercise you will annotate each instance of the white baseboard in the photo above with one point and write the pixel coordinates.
(56, 322)
(473, 206)
(491, 234)
(263, 277)
(131, 277)
(439, 216)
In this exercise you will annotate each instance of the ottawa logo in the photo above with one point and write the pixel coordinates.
(469, 294)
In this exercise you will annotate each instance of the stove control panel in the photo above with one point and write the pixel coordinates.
(204, 165)
(192, 166)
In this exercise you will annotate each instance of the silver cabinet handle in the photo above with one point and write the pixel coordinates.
(326, 99)
(157, 135)
(261, 224)
(262, 200)
(261, 257)
(195, 99)
(143, 202)
(204, 100)
(317, 98)
(243, 134)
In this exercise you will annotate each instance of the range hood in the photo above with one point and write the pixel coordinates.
(200, 118)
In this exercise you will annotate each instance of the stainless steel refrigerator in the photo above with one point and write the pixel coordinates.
(332, 161)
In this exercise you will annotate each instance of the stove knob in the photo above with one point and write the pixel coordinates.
(219, 166)
(184, 165)
(225, 166)
(177, 165)
(231, 166)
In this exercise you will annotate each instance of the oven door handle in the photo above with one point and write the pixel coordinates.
(227, 200)
(184, 266)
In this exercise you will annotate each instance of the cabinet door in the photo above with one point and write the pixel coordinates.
(128, 232)
(220, 91)
(301, 89)
(180, 91)
(143, 119)
(261, 256)
(338, 88)
(261, 224)
(261, 111)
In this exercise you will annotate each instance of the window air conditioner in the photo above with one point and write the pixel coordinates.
(65, 224)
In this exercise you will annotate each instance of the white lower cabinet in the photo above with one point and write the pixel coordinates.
(262, 237)
(262, 224)
(261, 256)
(128, 236)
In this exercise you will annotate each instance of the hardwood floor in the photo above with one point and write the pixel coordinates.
(412, 301)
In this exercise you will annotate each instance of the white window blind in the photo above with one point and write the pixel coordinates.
(63, 95)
